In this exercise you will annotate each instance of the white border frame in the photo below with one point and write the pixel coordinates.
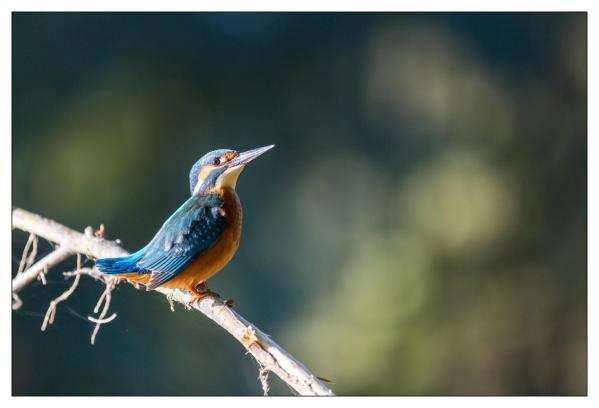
(7, 6)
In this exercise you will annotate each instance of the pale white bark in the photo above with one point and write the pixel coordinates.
(269, 355)
(29, 275)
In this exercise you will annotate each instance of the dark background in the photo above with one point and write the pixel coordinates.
(420, 227)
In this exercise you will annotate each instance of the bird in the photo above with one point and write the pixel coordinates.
(200, 237)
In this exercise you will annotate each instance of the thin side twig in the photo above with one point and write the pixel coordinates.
(42, 275)
(110, 282)
(51, 312)
(24, 257)
(263, 377)
(32, 254)
(102, 321)
(17, 302)
(31, 274)
(106, 297)
(94, 273)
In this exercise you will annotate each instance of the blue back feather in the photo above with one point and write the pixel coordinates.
(191, 230)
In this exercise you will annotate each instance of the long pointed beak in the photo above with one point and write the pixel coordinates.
(246, 157)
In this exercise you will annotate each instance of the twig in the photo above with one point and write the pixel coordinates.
(110, 282)
(51, 312)
(102, 297)
(263, 377)
(29, 275)
(17, 302)
(94, 273)
(106, 298)
(269, 355)
(24, 258)
(102, 321)
(32, 254)
(42, 275)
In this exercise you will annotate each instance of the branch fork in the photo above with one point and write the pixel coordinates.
(270, 356)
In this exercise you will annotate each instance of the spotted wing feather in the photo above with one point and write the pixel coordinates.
(191, 230)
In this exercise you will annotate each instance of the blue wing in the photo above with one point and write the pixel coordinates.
(191, 230)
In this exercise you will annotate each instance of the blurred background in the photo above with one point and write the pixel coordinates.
(419, 229)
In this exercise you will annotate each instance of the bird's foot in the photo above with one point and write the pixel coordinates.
(201, 291)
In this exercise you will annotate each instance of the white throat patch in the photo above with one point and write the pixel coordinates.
(229, 177)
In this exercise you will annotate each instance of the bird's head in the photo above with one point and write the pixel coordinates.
(220, 168)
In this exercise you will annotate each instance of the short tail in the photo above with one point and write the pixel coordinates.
(122, 264)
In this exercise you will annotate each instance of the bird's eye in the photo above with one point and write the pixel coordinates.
(216, 161)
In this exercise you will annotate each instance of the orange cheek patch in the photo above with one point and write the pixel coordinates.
(204, 172)
(230, 156)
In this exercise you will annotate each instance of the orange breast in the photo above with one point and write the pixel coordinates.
(218, 255)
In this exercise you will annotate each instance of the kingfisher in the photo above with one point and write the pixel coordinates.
(200, 237)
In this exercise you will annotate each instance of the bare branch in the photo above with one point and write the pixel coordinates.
(64, 236)
(269, 355)
(31, 274)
